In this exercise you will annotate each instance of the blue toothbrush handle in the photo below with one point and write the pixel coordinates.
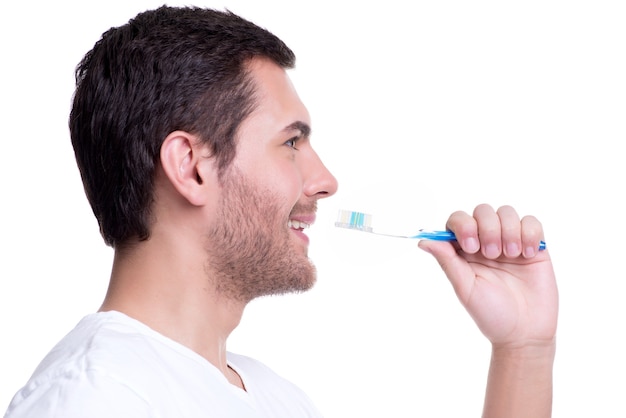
(449, 236)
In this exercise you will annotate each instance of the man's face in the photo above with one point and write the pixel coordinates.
(269, 196)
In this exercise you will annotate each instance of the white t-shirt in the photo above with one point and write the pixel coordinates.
(113, 366)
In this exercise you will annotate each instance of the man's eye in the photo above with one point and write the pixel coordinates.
(291, 143)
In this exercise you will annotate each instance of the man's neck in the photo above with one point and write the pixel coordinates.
(168, 289)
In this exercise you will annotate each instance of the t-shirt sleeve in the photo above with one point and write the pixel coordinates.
(91, 395)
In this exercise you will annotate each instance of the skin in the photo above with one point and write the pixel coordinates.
(509, 289)
(250, 251)
(191, 282)
(177, 281)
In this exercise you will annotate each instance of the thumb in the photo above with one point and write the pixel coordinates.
(455, 267)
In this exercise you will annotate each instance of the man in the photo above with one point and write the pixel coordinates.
(195, 155)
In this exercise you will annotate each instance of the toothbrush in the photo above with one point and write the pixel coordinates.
(363, 222)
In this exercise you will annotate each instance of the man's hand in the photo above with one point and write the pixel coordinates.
(498, 273)
(508, 287)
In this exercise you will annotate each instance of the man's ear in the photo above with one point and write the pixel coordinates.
(188, 166)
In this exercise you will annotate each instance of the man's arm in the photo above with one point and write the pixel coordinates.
(508, 287)
(520, 382)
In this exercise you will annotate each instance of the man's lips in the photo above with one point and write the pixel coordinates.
(298, 223)
(301, 222)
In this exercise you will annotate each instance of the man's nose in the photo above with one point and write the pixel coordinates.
(319, 181)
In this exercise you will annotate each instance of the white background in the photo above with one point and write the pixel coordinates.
(419, 111)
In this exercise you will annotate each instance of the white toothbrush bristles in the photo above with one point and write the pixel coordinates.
(354, 220)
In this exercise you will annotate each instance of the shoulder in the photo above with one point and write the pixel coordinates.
(72, 395)
(107, 362)
(111, 344)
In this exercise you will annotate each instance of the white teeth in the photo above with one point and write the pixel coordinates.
(297, 224)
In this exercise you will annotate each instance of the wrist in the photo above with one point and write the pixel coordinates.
(520, 380)
(537, 350)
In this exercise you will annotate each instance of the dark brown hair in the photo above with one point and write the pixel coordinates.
(167, 69)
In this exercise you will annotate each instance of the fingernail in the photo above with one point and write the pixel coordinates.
(471, 245)
(529, 252)
(492, 251)
(511, 249)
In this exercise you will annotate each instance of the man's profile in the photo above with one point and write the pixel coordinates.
(196, 156)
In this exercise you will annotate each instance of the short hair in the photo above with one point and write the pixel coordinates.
(168, 69)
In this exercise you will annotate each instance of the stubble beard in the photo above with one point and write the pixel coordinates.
(251, 251)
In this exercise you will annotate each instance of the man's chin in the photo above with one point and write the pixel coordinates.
(304, 279)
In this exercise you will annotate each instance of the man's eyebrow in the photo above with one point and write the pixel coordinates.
(303, 127)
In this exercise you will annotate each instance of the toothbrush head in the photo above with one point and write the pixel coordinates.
(354, 220)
